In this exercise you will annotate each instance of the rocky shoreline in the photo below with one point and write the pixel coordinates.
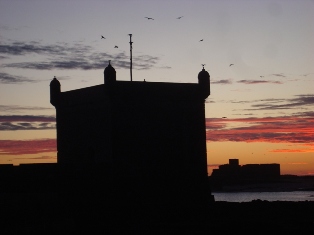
(45, 214)
(263, 217)
(286, 183)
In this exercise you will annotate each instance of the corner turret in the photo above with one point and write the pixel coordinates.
(55, 90)
(109, 74)
(204, 82)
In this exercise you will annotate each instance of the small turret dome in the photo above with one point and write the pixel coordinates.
(55, 83)
(203, 74)
(55, 90)
(204, 82)
(109, 74)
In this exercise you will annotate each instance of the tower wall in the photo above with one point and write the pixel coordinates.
(150, 137)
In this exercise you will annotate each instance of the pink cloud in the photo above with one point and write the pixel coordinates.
(19, 147)
(287, 129)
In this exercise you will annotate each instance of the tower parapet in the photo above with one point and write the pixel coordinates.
(55, 90)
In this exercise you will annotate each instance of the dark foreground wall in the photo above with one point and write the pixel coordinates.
(69, 198)
(50, 214)
(113, 186)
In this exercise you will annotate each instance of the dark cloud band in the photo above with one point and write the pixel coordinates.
(77, 56)
(26, 122)
(252, 82)
(286, 129)
(6, 78)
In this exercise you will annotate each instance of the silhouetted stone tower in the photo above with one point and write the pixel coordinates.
(150, 136)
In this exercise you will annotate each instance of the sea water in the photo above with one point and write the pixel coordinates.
(268, 196)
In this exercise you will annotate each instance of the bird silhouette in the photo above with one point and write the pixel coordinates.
(224, 117)
(179, 17)
(231, 65)
(261, 76)
(201, 40)
(149, 18)
(102, 37)
(115, 46)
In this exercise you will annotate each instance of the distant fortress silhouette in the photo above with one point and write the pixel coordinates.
(234, 171)
(235, 174)
(136, 143)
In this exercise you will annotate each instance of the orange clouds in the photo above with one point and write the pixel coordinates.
(287, 129)
(308, 150)
(297, 163)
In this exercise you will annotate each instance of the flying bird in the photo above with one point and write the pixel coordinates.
(102, 37)
(231, 65)
(179, 17)
(201, 40)
(261, 76)
(149, 18)
(115, 46)
(224, 117)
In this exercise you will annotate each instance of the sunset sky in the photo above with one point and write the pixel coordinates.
(261, 108)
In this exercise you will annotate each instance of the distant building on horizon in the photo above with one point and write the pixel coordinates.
(250, 172)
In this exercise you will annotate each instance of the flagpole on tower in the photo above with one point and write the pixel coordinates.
(131, 55)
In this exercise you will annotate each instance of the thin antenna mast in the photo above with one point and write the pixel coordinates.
(131, 55)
